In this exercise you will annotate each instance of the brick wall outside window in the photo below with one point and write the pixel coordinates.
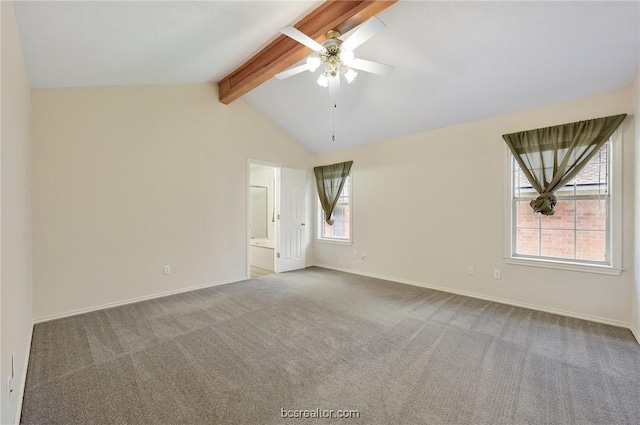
(554, 236)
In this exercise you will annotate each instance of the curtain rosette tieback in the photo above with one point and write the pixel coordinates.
(550, 157)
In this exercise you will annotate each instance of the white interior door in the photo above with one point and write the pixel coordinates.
(291, 241)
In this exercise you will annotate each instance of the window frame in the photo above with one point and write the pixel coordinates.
(614, 222)
(320, 220)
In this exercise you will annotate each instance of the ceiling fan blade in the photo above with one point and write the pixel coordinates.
(364, 33)
(334, 86)
(301, 38)
(292, 71)
(372, 67)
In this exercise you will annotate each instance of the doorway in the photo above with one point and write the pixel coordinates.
(276, 219)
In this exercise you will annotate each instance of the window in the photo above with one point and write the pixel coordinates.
(340, 231)
(580, 230)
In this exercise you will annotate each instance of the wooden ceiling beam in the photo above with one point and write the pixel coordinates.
(283, 52)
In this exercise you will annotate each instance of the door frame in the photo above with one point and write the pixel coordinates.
(276, 200)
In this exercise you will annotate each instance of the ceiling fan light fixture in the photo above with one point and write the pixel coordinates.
(350, 75)
(323, 81)
(313, 62)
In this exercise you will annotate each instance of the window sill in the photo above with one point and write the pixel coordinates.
(335, 241)
(561, 265)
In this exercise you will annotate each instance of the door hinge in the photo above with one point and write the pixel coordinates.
(278, 216)
(278, 255)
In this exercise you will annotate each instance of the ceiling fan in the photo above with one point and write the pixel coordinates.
(336, 56)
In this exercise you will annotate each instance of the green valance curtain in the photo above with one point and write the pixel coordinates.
(330, 181)
(550, 157)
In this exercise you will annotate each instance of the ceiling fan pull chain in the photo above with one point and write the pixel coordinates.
(333, 124)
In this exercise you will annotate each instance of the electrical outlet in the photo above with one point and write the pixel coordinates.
(497, 274)
(9, 390)
(470, 270)
(167, 269)
(355, 254)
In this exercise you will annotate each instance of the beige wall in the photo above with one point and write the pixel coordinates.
(127, 180)
(16, 266)
(427, 205)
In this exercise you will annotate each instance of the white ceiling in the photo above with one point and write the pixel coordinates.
(107, 43)
(455, 61)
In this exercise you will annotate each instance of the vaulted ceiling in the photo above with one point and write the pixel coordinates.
(455, 61)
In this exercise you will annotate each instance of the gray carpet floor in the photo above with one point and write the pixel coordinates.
(321, 339)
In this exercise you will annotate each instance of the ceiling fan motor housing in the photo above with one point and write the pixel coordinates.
(331, 52)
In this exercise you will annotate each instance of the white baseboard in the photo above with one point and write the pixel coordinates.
(635, 333)
(23, 381)
(489, 298)
(135, 300)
